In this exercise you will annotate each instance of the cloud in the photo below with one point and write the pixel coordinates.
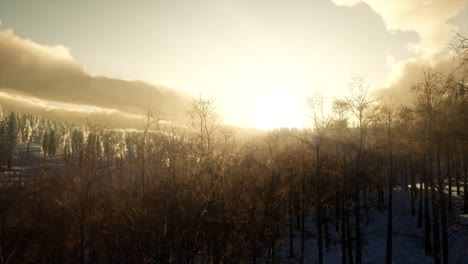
(404, 75)
(427, 18)
(66, 112)
(51, 73)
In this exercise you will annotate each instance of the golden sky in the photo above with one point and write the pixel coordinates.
(258, 59)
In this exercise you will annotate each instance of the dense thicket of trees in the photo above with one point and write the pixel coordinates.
(200, 194)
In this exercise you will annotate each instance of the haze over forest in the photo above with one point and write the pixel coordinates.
(234, 131)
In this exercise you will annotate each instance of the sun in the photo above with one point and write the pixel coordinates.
(277, 110)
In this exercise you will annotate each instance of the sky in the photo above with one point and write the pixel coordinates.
(258, 59)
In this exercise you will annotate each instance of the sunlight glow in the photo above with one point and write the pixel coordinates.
(277, 110)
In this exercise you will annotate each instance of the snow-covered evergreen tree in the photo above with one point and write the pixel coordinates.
(77, 144)
(130, 147)
(45, 144)
(3, 139)
(27, 131)
(52, 147)
(121, 146)
(66, 146)
(108, 148)
(12, 138)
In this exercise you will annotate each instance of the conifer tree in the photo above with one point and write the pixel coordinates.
(52, 147)
(45, 144)
(12, 138)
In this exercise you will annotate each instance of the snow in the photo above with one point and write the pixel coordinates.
(408, 243)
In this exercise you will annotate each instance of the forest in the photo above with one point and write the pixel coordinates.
(201, 193)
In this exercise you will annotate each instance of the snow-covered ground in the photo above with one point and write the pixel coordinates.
(408, 243)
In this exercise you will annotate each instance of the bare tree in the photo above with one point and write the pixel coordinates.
(431, 92)
(389, 112)
(363, 110)
(322, 121)
(150, 124)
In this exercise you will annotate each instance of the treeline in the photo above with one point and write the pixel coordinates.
(17, 128)
(199, 194)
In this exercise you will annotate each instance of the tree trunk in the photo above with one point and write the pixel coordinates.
(389, 254)
(357, 215)
(366, 207)
(435, 214)
(380, 199)
(435, 220)
(337, 212)
(449, 177)
(349, 240)
(420, 206)
(302, 209)
(254, 252)
(2, 236)
(319, 235)
(319, 205)
(291, 220)
(82, 244)
(465, 183)
(445, 249)
(443, 211)
(343, 232)
(301, 260)
(388, 257)
(458, 173)
(413, 191)
(427, 219)
(327, 231)
(406, 176)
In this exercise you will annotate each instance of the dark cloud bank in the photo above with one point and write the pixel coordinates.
(50, 73)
